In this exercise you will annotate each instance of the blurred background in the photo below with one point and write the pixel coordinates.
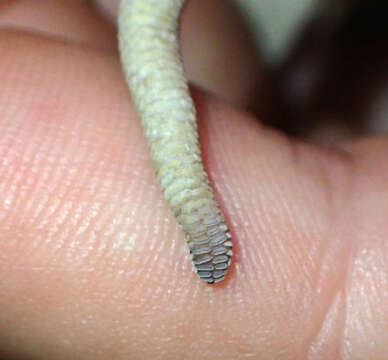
(317, 69)
(327, 66)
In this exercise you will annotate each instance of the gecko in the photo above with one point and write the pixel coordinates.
(150, 57)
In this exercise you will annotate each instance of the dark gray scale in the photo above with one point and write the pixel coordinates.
(205, 267)
(204, 274)
(204, 239)
(217, 239)
(220, 259)
(201, 251)
(221, 250)
(222, 266)
(199, 260)
(219, 274)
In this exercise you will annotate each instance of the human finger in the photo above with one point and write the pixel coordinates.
(70, 20)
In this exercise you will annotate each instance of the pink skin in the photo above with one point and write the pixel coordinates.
(92, 264)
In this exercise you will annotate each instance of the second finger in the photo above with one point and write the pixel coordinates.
(72, 20)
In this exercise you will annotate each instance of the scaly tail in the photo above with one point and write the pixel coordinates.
(148, 36)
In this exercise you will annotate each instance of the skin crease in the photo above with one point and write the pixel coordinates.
(92, 265)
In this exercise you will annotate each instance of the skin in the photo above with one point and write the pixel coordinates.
(88, 243)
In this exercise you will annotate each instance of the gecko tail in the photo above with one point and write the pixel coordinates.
(148, 39)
